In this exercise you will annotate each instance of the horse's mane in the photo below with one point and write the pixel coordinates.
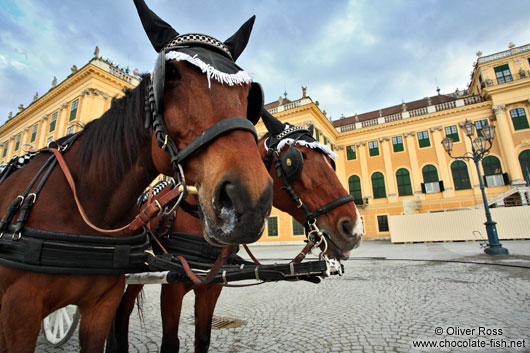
(112, 143)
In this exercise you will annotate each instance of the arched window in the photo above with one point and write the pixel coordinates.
(354, 183)
(403, 182)
(430, 174)
(378, 185)
(524, 160)
(491, 166)
(460, 175)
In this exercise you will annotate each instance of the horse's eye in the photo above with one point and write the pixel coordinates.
(303, 155)
(333, 164)
(172, 73)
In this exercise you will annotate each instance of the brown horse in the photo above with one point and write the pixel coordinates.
(111, 162)
(316, 185)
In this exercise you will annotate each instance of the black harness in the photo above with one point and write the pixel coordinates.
(62, 253)
(289, 166)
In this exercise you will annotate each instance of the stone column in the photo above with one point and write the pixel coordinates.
(42, 132)
(362, 154)
(443, 162)
(414, 167)
(391, 189)
(504, 138)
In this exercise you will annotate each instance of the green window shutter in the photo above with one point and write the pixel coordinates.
(73, 110)
(34, 133)
(6, 145)
(430, 174)
(53, 122)
(350, 152)
(452, 132)
(272, 227)
(317, 134)
(460, 175)
(298, 229)
(397, 143)
(503, 74)
(17, 142)
(354, 184)
(491, 166)
(382, 223)
(373, 147)
(519, 119)
(403, 182)
(423, 139)
(378, 185)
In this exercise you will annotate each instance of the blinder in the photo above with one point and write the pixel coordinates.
(255, 102)
(292, 163)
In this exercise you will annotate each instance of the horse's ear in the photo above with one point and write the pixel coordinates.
(273, 125)
(158, 31)
(311, 129)
(237, 43)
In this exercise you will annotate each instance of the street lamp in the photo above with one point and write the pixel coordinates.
(480, 148)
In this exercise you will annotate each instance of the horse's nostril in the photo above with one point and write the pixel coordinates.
(223, 199)
(346, 227)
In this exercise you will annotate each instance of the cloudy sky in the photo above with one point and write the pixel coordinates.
(353, 56)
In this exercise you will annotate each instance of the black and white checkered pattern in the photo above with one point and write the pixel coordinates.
(161, 185)
(196, 38)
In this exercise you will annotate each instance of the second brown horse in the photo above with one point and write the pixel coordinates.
(316, 185)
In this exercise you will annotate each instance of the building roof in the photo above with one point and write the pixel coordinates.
(277, 103)
(417, 104)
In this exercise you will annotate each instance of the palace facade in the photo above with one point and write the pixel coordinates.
(391, 160)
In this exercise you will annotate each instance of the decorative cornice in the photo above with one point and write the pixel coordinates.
(410, 133)
(436, 128)
(360, 143)
(384, 138)
(63, 106)
(525, 142)
(26, 129)
(44, 118)
(497, 109)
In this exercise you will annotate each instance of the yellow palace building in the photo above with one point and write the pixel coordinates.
(391, 160)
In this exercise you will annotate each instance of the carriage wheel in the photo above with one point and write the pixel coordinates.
(59, 326)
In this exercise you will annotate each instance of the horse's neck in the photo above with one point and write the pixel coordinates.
(113, 203)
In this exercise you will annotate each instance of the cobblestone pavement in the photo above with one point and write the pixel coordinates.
(377, 306)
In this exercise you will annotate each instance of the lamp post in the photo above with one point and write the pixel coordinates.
(480, 148)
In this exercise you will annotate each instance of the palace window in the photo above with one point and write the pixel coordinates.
(452, 132)
(34, 133)
(519, 119)
(325, 140)
(378, 185)
(479, 124)
(373, 146)
(423, 139)
(354, 184)
(397, 143)
(53, 122)
(317, 135)
(351, 153)
(73, 109)
(524, 161)
(49, 140)
(17, 142)
(460, 175)
(503, 74)
(70, 130)
(403, 182)
(493, 175)
(430, 183)
(382, 223)
(6, 145)
(272, 227)
(298, 229)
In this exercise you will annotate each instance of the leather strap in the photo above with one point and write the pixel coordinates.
(148, 213)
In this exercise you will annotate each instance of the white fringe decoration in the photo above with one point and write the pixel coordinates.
(242, 77)
(315, 144)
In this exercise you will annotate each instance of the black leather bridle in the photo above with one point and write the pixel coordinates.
(155, 120)
(312, 231)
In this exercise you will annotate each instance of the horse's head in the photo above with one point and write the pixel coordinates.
(202, 107)
(307, 187)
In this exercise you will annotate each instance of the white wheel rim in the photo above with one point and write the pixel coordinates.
(58, 324)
